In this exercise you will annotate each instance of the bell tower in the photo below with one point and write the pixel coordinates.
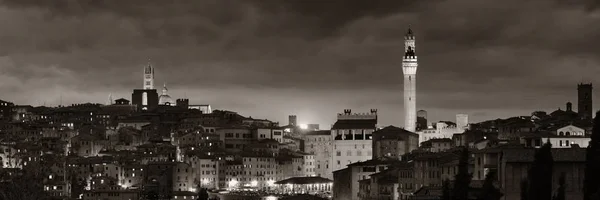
(148, 77)
(409, 68)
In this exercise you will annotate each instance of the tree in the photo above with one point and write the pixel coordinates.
(540, 174)
(446, 190)
(202, 194)
(560, 194)
(489, 191)
(462, 179)
(591, 183)
(524, 189)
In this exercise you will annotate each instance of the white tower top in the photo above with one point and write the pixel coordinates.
(409, 68)
(148, 77)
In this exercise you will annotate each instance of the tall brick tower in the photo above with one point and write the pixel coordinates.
(584, 101)
(409, 68)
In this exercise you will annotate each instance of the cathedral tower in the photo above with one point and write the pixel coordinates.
(148, 77)
(409, 68)
(584, 101)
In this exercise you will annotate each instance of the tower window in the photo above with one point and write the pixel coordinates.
(147, 82)
(410, 78)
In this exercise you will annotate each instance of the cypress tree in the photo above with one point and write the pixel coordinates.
(591, 183)
(446, 190)
(560, 194)
(489, 191)
(524, 193)
(462, 179)
(540, 174)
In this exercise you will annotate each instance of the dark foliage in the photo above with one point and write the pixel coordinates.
(202, 194)
(25, 186)
(540, 174)
(591, 183)
(524, 191)
(446, 190)
(463, 177)
(489, 191)
(560, 194)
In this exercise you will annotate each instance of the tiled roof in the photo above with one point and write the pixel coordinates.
(392, 132)
(558, 155)
(320, 132)
(355, 124)
(304, 180)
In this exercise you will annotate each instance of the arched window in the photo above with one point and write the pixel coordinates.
(568, 133)
(560, 133)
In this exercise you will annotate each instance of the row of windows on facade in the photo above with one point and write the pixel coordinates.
(258, 173)
(349, 153)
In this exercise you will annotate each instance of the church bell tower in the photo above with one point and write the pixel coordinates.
(148, 77)
(409, 68)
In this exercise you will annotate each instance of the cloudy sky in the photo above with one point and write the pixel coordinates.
(312, 58)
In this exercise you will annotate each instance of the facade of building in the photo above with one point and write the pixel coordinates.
(445, 129)
(319, 143)
(352, 138)
(393, 142)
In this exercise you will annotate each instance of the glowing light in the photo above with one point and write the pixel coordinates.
(205, 181)
(270, 183)
(254, 183)
(287, 130)
(303, 126)
(233, 183)
(271, 198)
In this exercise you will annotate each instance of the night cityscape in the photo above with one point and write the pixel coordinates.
(299, 99)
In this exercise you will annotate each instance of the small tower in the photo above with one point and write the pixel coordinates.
(409, 68)
(584, 101)
(148, 77)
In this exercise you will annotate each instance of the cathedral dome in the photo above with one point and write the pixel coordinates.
(164, 98)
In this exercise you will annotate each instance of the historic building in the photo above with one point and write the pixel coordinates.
(146, 98)
(352, 138)
(409, 68)
(165, 99)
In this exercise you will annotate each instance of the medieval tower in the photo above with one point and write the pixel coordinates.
(148, 77)
(409, 68)
(584, 101)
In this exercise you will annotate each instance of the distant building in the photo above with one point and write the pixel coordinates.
(445, 129)
(352, 137)
(164, 98)
(392, 142)
(206, 109)
(421, 120)
(584, 101)
(319, 143)
(565, 137)
(292, 120)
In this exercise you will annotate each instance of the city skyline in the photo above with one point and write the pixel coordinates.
(254, 59)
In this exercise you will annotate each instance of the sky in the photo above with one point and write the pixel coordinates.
(273, 58)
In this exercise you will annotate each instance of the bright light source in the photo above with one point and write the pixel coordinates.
(303, 126)
(287, 130)
(232, 183)
(205, 181)
(270, 183)
(254, 183)
(271, 198)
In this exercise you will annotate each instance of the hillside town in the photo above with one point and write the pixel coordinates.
(157, 147)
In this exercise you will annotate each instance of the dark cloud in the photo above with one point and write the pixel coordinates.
(486, 58)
